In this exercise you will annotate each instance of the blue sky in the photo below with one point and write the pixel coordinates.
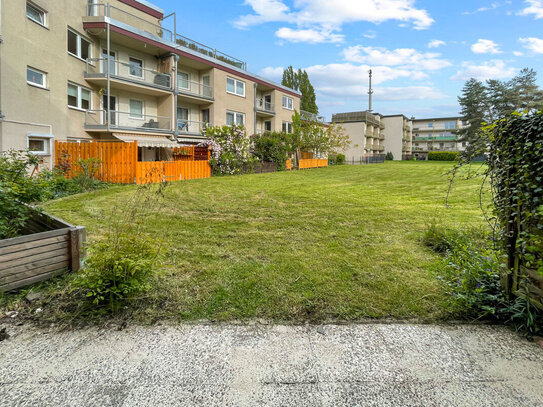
(421, 51)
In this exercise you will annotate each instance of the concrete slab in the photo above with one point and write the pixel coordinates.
(265, 365)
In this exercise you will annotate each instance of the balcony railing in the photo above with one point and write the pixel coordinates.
(264, 106)
(99, 67)
(435, 138)
(194, 88)
(124, 120)
(357, 117)
(192, 127)
(311, 117)
(156, 30)
(107, 10)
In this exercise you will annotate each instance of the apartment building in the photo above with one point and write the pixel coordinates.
(82, 70)
(436, 134)
(366, 132)
(398, 139)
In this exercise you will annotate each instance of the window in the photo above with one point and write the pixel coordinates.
(450, 125)
(236, 87)
(288, 103)
(78, 46)
(35, 14)
(136, 67)
(79, 97)
(35, 77)
(235, 118)
(38, 145)
(183, 79)
(431, 125)
(267, 125)
(464, 144)
(287, 127)
(136, 109)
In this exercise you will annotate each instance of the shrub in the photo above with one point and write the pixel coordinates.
(340, 159)
(471, 274)
(389, 156)
(229, 149)
(443, 156)
(271, 147)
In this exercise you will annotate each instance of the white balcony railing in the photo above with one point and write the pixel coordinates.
(264, 106)
(99, 67)
(311, 117)
(192, 127)
(124, 120)
(194, 88)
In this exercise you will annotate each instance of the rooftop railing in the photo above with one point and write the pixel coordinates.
(157, 30)
(311, 117)
(357, 117)
(100, 67)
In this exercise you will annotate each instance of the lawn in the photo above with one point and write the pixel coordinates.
(339, 243)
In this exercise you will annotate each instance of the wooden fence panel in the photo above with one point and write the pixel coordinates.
(288, 164)
(313, 163)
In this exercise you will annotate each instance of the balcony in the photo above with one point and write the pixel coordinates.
(194, 92)
(264, 108)
(311, 117)
(97, 120)
(97, 13)
(192, 128)
(365, 116)
(128, 76)
(436, 138)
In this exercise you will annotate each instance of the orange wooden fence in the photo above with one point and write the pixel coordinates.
(119, 163)
(313, 163)
(288, 164)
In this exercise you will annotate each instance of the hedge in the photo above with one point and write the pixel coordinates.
(443, 156)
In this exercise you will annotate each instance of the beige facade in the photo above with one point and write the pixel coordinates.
(367, 133)
(55, 78)
(436, 134)
(398, 139)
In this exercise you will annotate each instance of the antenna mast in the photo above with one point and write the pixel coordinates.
(370, 92)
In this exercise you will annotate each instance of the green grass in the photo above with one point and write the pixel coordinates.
(340, 243)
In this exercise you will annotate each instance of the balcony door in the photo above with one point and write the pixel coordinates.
(183, 119)
(267, 103)
(206, 86)
(112, 62)
(113, 104)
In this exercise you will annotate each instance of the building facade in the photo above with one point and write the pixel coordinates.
(398, 140)
(366, 132)
(82, 70)
(436, 134)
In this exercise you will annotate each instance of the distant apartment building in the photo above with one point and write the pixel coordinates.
(82, 70)
(366, 132)
(398, 140)
(436, 134)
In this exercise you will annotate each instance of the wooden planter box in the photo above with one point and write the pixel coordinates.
(48, 248)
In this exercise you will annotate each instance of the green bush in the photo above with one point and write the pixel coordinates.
(389, 156)
(443, 156)
(471, 274)
(271, 147)
(340, 159)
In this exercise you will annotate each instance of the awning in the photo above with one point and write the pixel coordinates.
(147, 141)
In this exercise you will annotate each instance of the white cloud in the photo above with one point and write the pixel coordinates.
(311, 36)
(493, 6)
(495, 69)
(436, 43)
(485, 47)
(518, 53)
(408, 93)
(371, 35)
(534, 7)
(533, 44)
(329, 16)
(402, 57)
(275, 73)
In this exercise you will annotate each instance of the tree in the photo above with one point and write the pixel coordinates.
(474, 110)
(299, 80)
(526, 93)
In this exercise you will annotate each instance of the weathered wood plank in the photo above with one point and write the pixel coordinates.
(35, 257)
(6, 258)
(34, 272)
(30, 238)
(33, 244)
(33, 265)
(32, 280)
(76, 246)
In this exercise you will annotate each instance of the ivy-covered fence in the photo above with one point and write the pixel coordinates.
(515, 171)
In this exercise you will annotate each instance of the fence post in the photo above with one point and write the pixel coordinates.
(77, 247)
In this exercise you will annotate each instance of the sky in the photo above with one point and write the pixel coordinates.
(421, 51)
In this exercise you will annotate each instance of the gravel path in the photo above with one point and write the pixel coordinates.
(261, 365)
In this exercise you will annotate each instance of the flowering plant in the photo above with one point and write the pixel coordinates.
(229, 147)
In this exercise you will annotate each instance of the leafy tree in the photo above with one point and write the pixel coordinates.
(299, 80)
(474, 107)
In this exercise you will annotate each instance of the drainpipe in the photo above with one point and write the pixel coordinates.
(255, 86)
(175, 94)
(108, 97)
